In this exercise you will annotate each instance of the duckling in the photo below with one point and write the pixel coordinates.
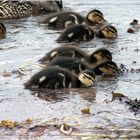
(63, 19)
(96, 17)
(76, 33)
(18, 9)
(76, 66)
(2, 30)
(107, 67)
(107, 31)
(57, 78)
(75, 52)
(99, 55)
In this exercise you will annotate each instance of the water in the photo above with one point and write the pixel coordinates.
(27, 41)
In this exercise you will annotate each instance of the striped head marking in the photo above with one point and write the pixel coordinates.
(109, 32)
(109, 68)
(100, 56)
(87, 78)
(95, 16)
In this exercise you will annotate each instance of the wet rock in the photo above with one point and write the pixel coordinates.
(130, 30)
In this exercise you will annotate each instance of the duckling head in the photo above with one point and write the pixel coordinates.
(100, 55)
(95, 17)
(87, 78)
(2, 30)
(107, 68)
(108, 32)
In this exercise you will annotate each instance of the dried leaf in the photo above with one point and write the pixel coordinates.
(117, 96)
(29, 120)
(5, 74)
(85, 110)
(6, 123)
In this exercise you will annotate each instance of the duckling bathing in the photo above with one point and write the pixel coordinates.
(97, 56)
(2, 30)
(76, 66)
(18, 9)
(76, 33)
(63, 19)
(57, 78)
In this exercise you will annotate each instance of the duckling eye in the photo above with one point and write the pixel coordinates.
(106, 30)
(106, 67)
(101, 54)
(94, 15)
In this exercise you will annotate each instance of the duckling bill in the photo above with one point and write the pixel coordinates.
(76, 33)
(57, 78)
(97, 56)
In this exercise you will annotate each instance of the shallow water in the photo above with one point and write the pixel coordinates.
(27, 41)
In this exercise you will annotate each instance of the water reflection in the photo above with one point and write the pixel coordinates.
(58, 95)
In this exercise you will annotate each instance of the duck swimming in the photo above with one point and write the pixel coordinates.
(18, 9)
(58, 78)
(63, 19)
(76, 33)
(2, 30)
(72, 51)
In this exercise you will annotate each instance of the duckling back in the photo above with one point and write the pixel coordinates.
(72, 64)
(61, 20)
(52, 78)
(65, 51)
(76, 33)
